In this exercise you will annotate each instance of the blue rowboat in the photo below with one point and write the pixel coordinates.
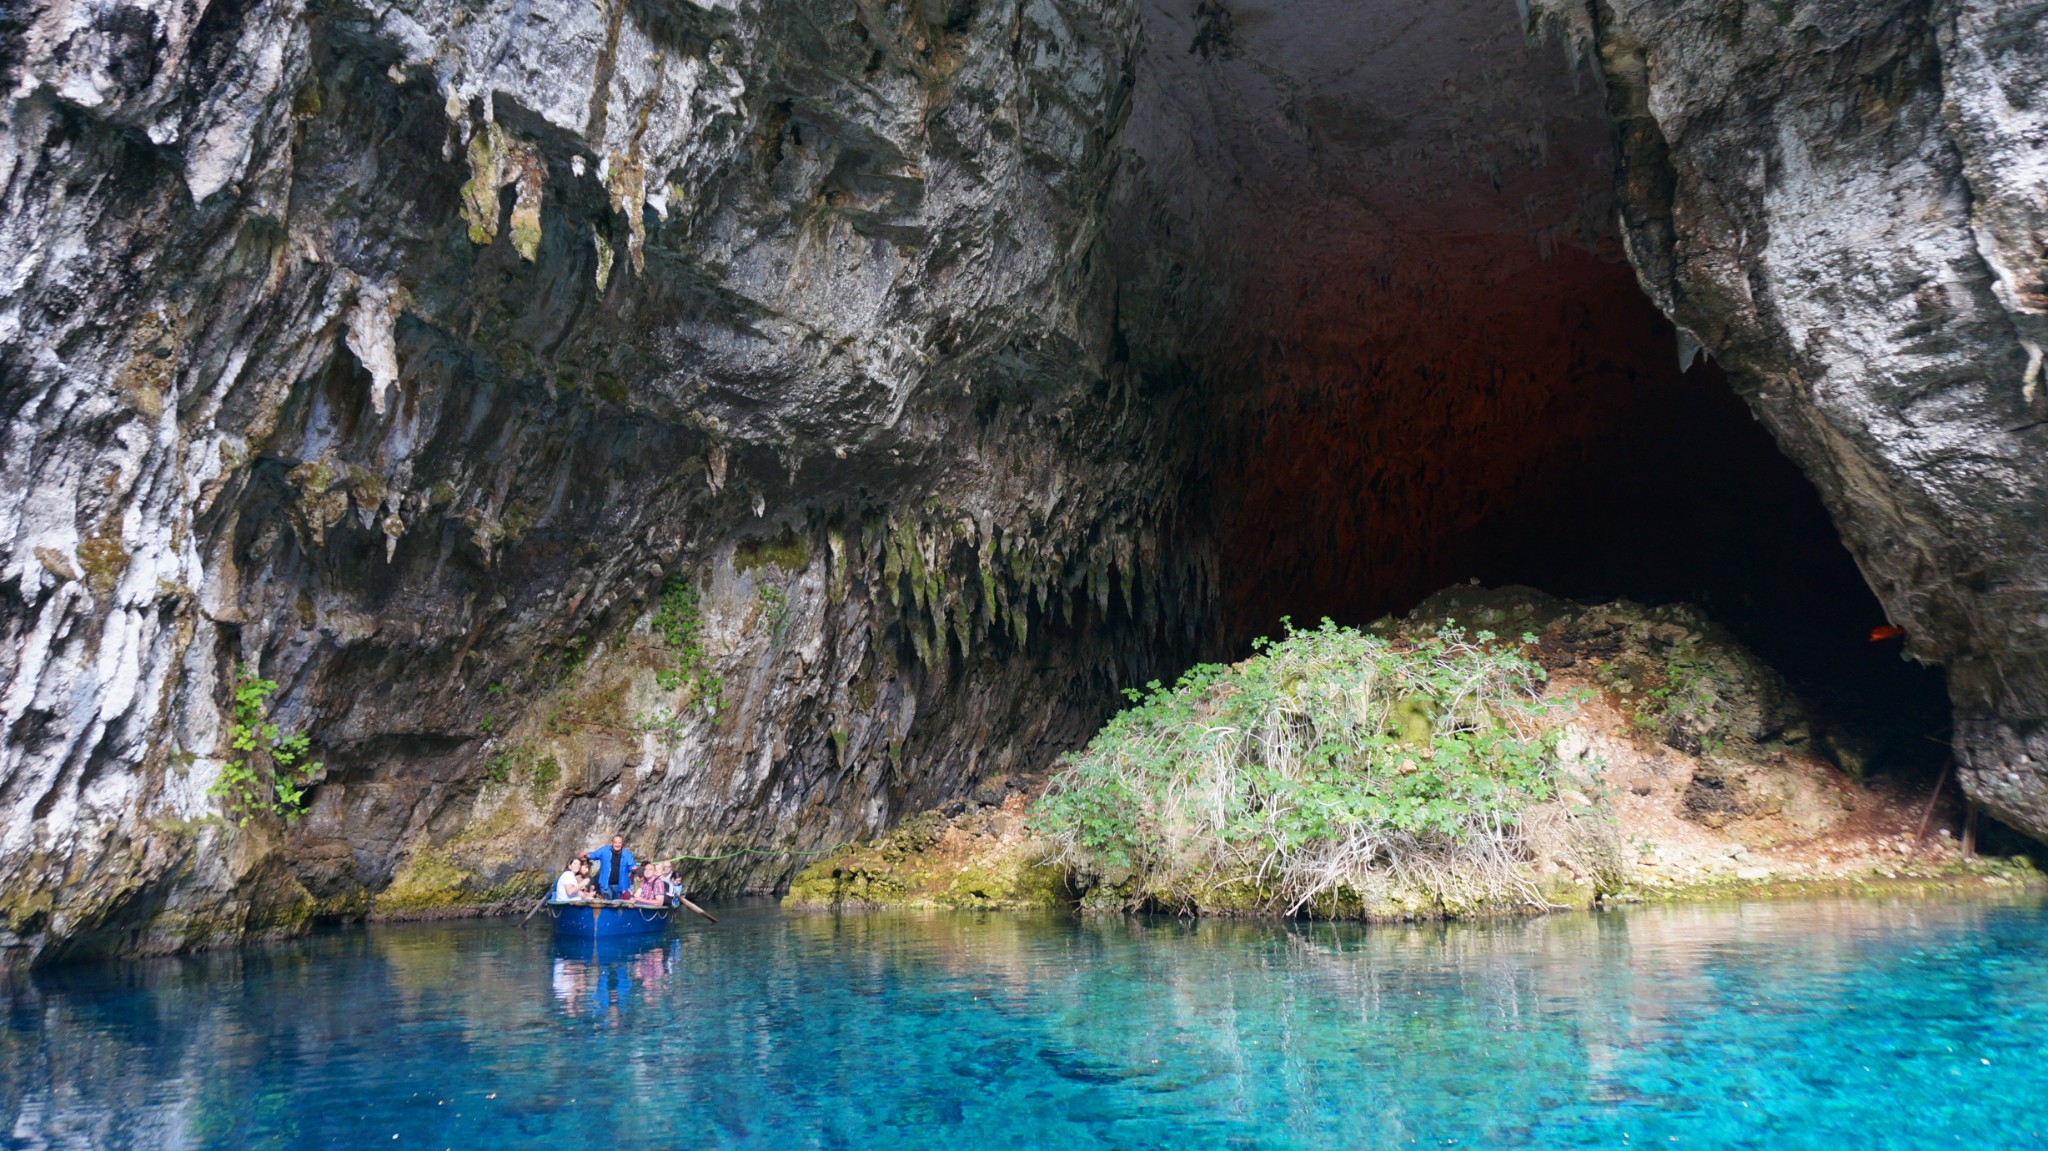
(606, 919)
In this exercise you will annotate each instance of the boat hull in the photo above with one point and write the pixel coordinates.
(607, 920)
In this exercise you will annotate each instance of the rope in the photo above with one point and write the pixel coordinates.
(756, 851)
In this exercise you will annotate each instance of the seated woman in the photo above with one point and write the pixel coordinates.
(646, 890)
(569, 885)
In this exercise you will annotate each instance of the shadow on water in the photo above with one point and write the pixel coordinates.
(1778, 1025)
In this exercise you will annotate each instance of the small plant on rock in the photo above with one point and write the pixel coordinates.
(272, 773)
(679, 621)
(669, 729)
(1688, 710)
(774, 610)
(541, 768)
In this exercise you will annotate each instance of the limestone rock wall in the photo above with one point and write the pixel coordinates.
(405, 352)
(1843, 203)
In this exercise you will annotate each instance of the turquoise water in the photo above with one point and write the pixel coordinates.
(1790, 1025)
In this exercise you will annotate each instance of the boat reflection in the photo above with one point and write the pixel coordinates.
(600, 978)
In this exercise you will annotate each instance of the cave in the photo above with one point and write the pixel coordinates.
(1041, 573)
(1440, 365)
(925, 377)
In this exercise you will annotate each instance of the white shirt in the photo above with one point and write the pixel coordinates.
(567, 886)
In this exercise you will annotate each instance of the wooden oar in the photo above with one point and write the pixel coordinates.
(537, 905)
(693, 907)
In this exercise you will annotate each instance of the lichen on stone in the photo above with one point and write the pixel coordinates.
(625, 179)
(604, 259)
(148, 375)
(105, 558)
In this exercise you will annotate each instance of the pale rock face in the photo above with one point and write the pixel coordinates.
(1992, 58)
(1844, 203)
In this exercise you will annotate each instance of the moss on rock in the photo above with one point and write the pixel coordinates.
(787, 551)
(432, 882)
(983, 859)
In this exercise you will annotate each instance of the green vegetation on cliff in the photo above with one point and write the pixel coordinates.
(1333, 772)
(679, 621)
(272, 773)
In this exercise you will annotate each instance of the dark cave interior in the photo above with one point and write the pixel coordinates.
(1438, 365)
(1541, 432)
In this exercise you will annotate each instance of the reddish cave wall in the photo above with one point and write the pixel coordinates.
(1471, 410)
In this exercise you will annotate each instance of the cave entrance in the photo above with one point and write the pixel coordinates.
(1550, 438)
(1437, 365)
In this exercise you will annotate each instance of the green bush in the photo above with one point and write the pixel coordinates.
(1332, 771)
(272, 773)
(546, 772)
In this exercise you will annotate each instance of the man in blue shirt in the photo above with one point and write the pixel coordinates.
(614, 867)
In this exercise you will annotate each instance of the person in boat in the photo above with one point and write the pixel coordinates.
(570, 884)
(647, 890)
(615, 866)
(672, 886)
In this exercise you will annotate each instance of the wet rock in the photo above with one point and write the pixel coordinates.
(979, 859)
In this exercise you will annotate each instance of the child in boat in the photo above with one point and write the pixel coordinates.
(671, 886)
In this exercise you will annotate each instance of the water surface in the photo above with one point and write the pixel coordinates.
(1786, 1025)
